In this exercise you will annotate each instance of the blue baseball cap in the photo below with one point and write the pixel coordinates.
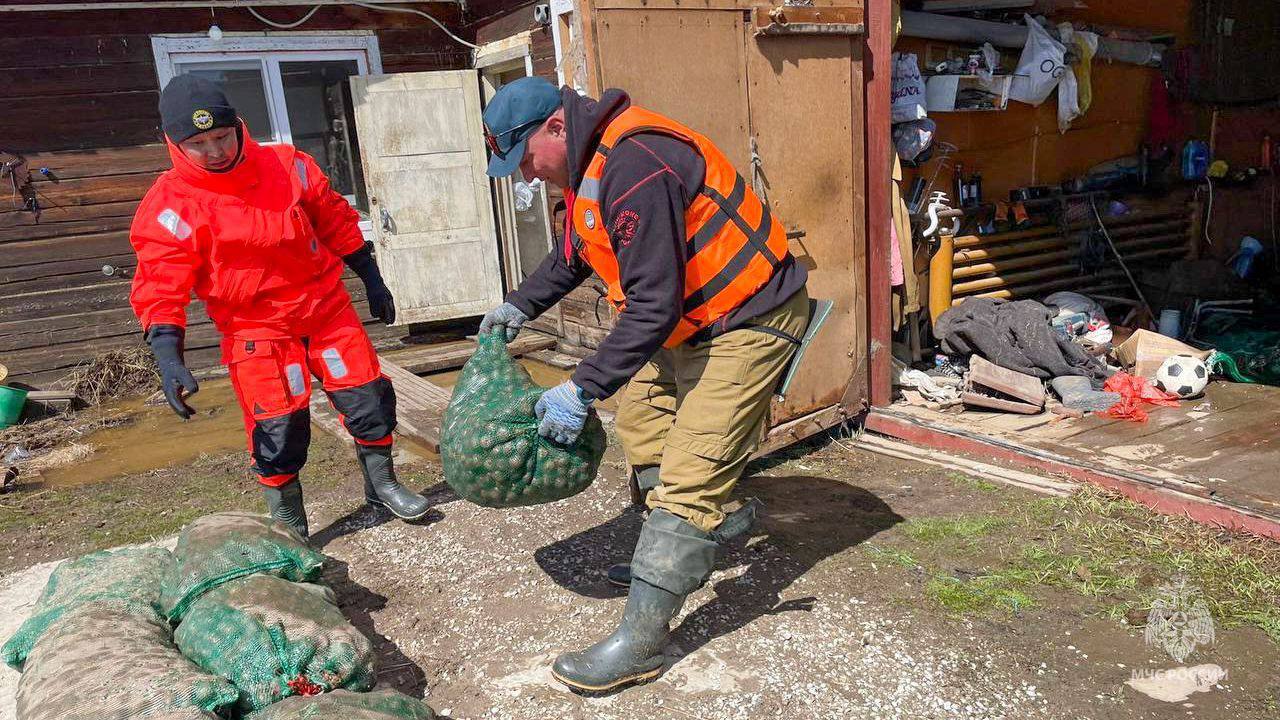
(517, 110)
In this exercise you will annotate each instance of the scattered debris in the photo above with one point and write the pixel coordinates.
(113, 375)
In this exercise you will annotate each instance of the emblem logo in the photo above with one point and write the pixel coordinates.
(202, 119)
(1179, 620)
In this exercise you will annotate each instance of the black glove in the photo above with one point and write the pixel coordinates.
(166, 345)
(381, 304)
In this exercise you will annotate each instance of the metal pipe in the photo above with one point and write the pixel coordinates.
(967, 30)
(201, 4)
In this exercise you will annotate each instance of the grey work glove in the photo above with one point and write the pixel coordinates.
(166, 345)
(562, 411)
(506, 316)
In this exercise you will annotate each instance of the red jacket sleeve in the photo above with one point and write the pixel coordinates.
(168, 262)
(336, 223)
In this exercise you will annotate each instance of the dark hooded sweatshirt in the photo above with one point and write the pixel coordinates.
(649, 182)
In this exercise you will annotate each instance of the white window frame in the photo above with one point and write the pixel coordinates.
(561, 43)
(269, 49)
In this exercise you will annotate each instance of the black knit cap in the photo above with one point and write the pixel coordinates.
(190, 105)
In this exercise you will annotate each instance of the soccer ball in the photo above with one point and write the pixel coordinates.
(1183, 375)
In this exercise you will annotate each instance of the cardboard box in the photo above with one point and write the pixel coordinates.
(1144, 352)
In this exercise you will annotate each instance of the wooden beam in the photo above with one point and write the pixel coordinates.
(802, 428)
(451, 355)
(877, 71)
(1159, 494)
(420, 406)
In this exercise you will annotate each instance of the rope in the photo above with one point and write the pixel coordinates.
(383, 8)
(445, 30)
(282, 26)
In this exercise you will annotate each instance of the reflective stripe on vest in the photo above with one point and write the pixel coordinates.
(733, 241)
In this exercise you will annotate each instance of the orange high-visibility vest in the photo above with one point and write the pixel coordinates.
(734, 242)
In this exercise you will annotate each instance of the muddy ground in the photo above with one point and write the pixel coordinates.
(872, 588)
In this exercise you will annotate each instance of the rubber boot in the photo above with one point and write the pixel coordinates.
(734, 524)
(382, 489)
(285, 503)
(644, 479)
(671, 560)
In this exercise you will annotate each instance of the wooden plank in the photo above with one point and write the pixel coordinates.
(448, 356)
(1147, 490)
(72, 164)
(78, 79)
(704, 48)
(788, 20)
(60, 275)
(813, 177)
(1070, 249)
(557, 360)
(420, 405)
(24, 51)
(90, 190)
(1114, 225)
(1010, 382)
(801, 428)
(19, 253)
(86, 220)
(1013, 406)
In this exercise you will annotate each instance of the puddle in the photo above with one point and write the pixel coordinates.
(1179, 684)
(157, 438)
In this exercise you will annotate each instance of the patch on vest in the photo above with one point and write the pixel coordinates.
(625, 227)
(590, 219)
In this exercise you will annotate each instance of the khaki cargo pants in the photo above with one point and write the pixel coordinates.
(697, 412)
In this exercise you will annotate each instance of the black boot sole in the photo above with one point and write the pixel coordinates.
(634, 679)
(384, 506)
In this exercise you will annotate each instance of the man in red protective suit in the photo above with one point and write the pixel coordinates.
(259, 235)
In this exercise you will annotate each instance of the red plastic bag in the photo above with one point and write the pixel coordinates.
(1134, 391)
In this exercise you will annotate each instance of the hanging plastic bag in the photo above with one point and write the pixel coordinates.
(1040, 68)
(908, 88)
(913, 138)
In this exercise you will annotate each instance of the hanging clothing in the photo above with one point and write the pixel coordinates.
(906, 298)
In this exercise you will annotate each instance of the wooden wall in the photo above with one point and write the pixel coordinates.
(1022, 146)
(80, 93)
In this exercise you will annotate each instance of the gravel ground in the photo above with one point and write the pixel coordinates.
(804, 618)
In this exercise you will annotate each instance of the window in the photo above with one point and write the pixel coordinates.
(289, 88)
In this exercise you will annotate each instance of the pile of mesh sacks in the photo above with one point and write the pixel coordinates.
(490, 449)
(234, 623)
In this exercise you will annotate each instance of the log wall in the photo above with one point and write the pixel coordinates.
(80, 93)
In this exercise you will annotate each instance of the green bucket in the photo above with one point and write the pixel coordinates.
(11, 401)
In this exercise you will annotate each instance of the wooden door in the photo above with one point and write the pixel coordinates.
(422, 145)
(798, 101)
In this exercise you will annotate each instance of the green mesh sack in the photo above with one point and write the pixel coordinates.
(130, 578)
(97, 663)
(273, 639)
(490, 447)
(344, 705)
(221, 547)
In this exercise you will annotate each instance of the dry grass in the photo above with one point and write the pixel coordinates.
(113, 375)
(43, 435)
